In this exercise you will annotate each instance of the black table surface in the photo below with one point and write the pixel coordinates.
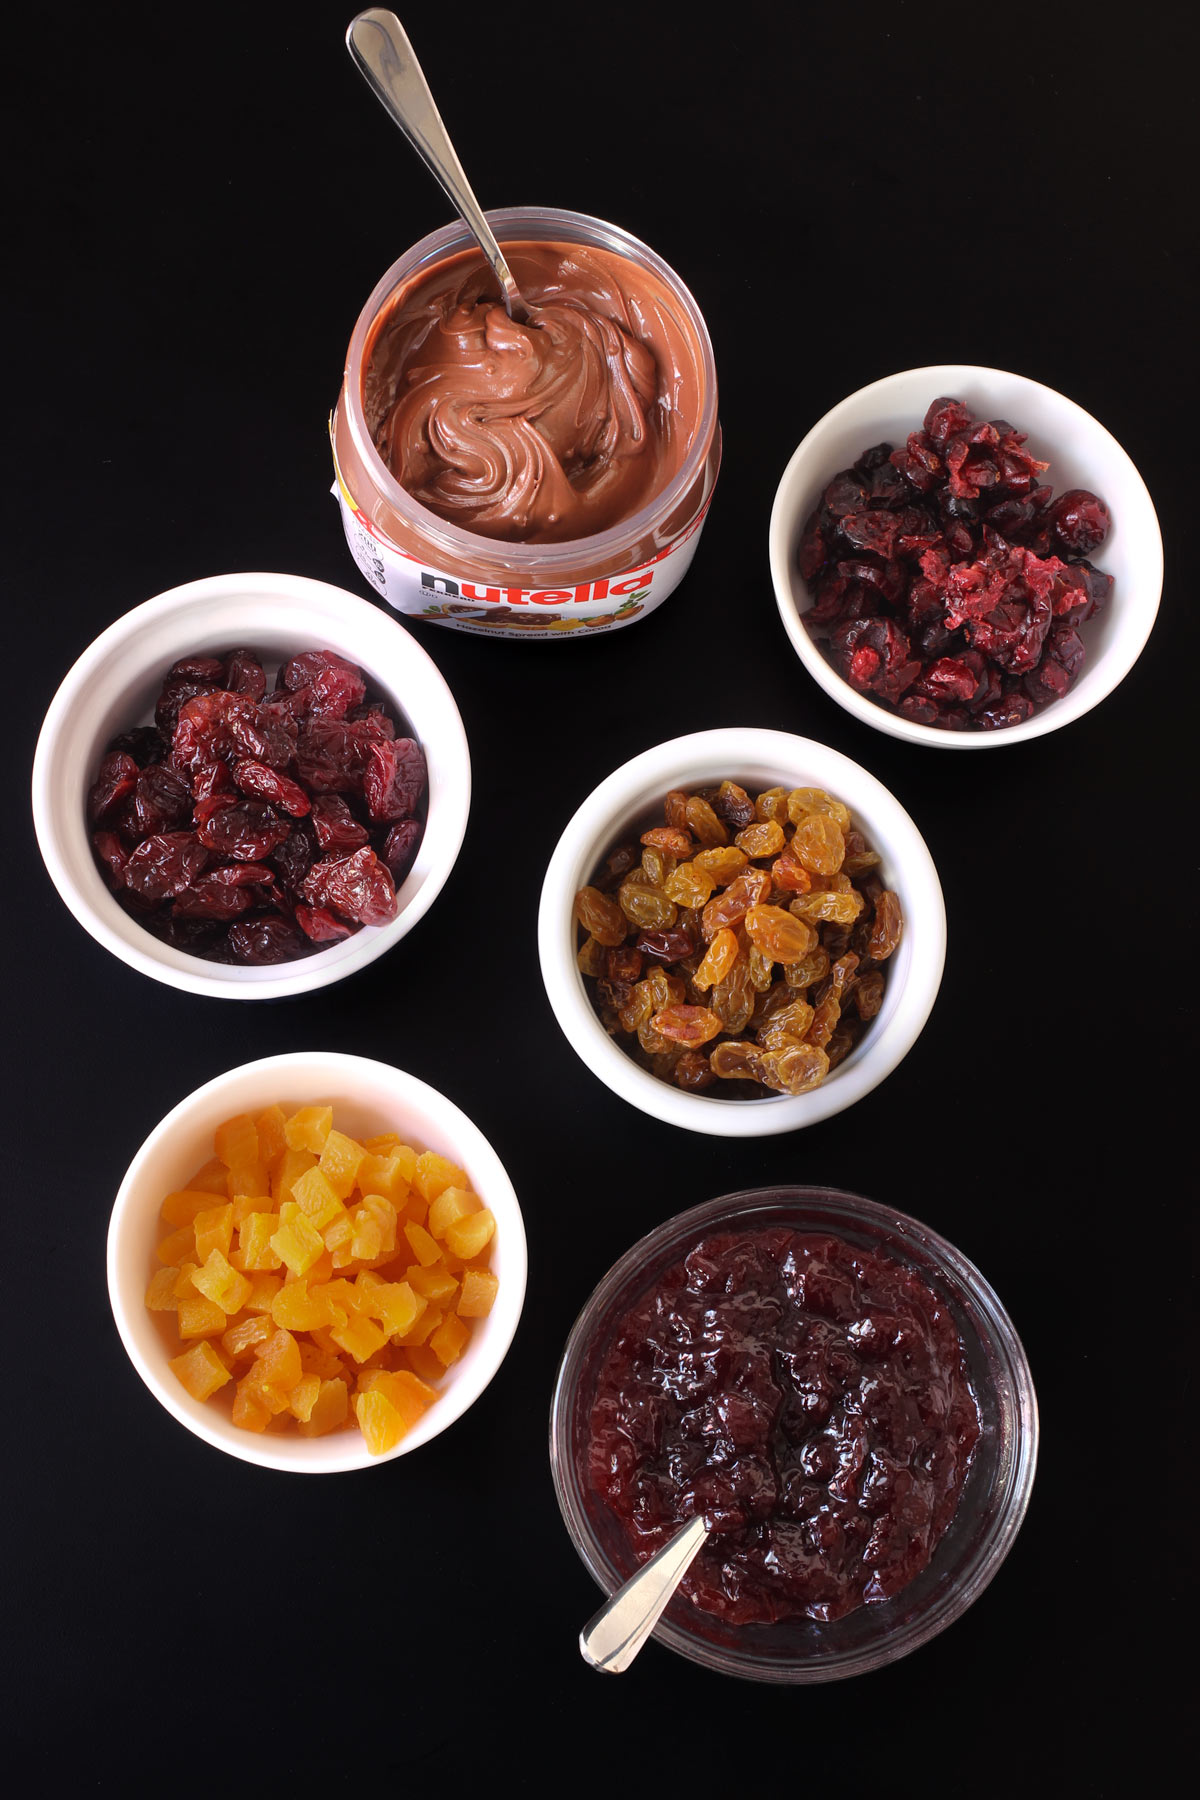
(203, 199)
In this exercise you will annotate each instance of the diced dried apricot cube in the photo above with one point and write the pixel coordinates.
(303, 1397)
(308, 1128)
(315, 1360)
(245, 1204)
(214, 1230)
(424, 1248)
(426, 1325)
(236, 1141)
(277, 1363)
(367, 1242)
(338, 1238)
(219, 1282)
(382, 1142)
(183, 1281)
(382, 1209)
(407, 1392)
(271, 1141)
(331, 1409)
(291, 1165)
(314, 1194)
(295, 1240)
(210, 1179)
(200, 1317)
(174, 1249)
(479, 1289)
(452, 1203)
(161, 1295)
(254, 1241)
(434, 1173)
(263, 1289)
(359, 1337)
(449, 1340)
(424, 1362)
(249, 1409)
(297, 1308)
(436, 1284)
(395, 1306)
(389, 1175)
(200, 1370)
(380, 1423)
(244, 1334)
(181, 1207)
(341, 1159)
(471, 1235)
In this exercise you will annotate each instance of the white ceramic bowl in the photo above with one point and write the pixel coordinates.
(1081, 454)
(758, 760)
(367, 1097)
(113, 687)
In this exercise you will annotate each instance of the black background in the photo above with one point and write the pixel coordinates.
(202, 200)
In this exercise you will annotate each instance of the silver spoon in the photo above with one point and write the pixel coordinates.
(376, 41)
(613, 1638)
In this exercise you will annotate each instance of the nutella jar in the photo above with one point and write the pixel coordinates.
(542, 480)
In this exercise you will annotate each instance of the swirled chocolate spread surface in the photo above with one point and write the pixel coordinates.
(537, 433)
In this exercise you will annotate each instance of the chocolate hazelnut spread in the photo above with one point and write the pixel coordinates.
(541, 433)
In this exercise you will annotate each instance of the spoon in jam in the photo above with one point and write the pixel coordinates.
(613, 1638)
(384, 57)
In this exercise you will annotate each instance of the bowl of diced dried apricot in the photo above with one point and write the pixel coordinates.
(741, 932)
(316, 1262)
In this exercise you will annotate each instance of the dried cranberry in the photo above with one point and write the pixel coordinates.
(1080, 521)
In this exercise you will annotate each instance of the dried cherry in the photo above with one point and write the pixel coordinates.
(254, 827)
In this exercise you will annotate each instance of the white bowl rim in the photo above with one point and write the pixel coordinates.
(584, 840)
(944, 378)
(276, 1452)
(140, 950)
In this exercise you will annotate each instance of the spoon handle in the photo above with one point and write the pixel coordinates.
(377, 42)
(613, 1638)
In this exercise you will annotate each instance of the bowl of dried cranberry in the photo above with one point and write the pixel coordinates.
(839, 1392)
(964, 558)
(808, 1010)
(251, 786)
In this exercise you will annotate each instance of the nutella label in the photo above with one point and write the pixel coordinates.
(454, 597)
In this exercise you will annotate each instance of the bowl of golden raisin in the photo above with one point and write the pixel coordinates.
(316, 1262)
(741, 932)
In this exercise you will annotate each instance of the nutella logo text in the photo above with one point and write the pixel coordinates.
(577, 596)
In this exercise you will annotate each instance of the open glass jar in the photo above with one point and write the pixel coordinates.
(424, 565)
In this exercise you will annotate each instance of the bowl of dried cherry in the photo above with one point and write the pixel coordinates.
(251, 786)
(741, 932)
(964, 558)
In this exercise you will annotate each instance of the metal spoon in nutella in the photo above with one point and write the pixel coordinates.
(377, 42)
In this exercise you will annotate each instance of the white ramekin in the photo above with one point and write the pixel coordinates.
(758, 760)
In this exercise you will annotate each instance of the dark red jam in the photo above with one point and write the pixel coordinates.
(811, 1399)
